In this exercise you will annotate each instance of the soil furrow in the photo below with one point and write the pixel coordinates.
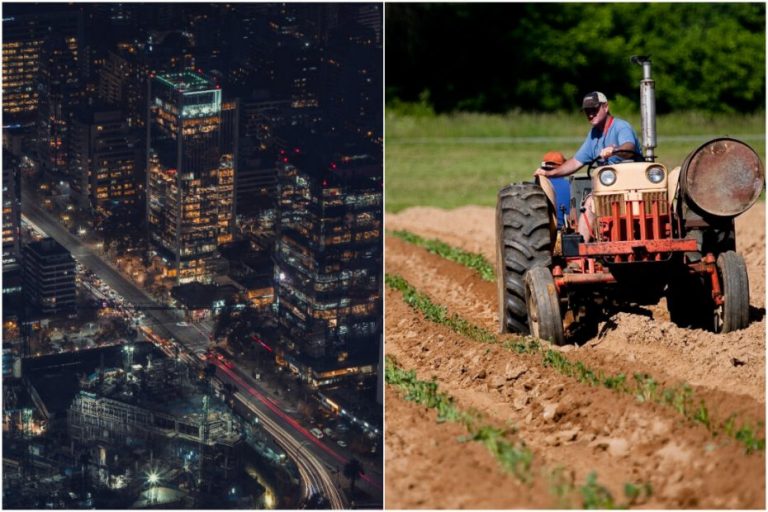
(429, 467)
(577, 426)
(586, 428)
(729, 391)
(733, 363)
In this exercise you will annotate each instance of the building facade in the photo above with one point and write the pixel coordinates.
(11, 211)
(191, 161)
(328, 260)
(49, 277)
(59, 93)
(103, 159)
(24, 35)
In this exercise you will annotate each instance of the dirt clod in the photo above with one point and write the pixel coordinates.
(578, 427)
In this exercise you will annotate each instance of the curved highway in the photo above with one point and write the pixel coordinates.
(316, 462)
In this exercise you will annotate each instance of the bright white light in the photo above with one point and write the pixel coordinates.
(153, 478)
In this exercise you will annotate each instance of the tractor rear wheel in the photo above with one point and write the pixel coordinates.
(543, 303)
(523, 240)
(733, 314)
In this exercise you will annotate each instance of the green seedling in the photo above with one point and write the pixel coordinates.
(645, 388)
(514, 458)
(595, 496)
(474, 261)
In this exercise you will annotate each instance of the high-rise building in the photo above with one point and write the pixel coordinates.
(328, 258)
(11, 211)
(353, 75)
(59, 92)
(23, 36)
(191, 162)
(256, 180)
(49, 277)
(122, 82)
(368, 15)
(104, 156)
(26, 29)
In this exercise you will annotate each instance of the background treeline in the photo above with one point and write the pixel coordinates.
(544, 57)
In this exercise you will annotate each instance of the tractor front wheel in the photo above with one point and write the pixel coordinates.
(543, 304)
(733, 313)
(523, 241)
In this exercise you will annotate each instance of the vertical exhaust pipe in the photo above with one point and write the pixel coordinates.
(647, 107)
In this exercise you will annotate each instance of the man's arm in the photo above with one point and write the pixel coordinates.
(569, 167)
(610, 150)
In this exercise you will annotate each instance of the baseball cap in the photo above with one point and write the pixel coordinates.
(552, 159)
(593, 100)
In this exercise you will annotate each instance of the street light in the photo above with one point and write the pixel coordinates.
(153, 478)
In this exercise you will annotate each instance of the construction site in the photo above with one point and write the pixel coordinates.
(126, 427)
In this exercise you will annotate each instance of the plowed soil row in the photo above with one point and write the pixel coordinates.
(566, 423)
(462, 475)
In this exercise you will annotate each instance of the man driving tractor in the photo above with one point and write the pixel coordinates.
(608, 136)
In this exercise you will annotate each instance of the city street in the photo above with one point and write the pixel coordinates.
(159, 320)
(330, 456)
(317, 462)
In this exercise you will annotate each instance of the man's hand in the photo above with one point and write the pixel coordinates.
(607, 152)
(540, 172)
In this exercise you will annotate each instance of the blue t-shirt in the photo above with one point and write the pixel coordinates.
(618, 133)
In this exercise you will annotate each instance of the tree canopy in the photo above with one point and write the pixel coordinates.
(545, 57)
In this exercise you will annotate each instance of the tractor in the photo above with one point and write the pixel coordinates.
(658, 233)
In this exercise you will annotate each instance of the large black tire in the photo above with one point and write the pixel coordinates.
(543, 304)
(734, 312)
(523, 241)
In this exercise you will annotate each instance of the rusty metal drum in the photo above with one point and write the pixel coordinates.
(723, 177)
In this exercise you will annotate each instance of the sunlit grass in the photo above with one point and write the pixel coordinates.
(449, 161)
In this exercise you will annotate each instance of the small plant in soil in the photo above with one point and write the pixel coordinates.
(476, 262)
(645, 387)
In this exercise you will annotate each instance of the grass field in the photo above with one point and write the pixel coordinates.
(450, 161)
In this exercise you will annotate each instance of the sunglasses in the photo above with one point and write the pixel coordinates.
(591, 111)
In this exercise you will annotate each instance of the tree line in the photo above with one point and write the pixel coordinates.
(545, 57)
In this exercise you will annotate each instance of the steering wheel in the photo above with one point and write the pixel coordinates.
(631, 155)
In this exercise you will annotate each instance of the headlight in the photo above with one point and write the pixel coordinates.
(655, 174)
(607, 177)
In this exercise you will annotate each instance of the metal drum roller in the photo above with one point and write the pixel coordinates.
(723, 177)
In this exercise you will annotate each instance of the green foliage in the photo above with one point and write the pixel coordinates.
(438, 314)
(595, 496)
(476, 262)
(421, 108)
(449, 161)
(515, 458)
(635, 493)
(645, 387)
(749, 438)
(708, 56)
(702, 415)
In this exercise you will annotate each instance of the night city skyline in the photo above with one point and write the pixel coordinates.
(192, 255)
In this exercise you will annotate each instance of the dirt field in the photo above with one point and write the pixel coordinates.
(565, 423)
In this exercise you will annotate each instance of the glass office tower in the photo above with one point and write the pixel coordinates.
(190, 173)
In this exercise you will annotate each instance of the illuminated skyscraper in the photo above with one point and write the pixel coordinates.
(328, 259)
(103, 159)
(11, 210)
(24, 34)
(190, 173)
